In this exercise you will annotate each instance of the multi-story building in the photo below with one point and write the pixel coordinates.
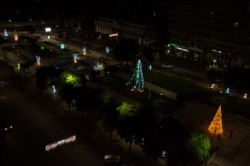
(214, 31)
(141, 31)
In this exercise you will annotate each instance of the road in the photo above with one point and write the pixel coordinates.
(36, 125)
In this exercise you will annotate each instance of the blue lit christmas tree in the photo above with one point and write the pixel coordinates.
(137, 78)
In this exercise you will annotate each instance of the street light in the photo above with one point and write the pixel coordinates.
(84, 50)
(214, 61)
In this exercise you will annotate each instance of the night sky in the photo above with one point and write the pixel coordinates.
(48, 8)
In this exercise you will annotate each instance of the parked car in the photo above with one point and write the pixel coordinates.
(111, 158)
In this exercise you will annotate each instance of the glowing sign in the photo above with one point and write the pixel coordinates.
(59, 143)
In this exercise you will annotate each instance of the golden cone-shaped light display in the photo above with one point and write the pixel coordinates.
(215, 126)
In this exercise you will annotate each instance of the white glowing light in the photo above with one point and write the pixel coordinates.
(48, 29)
(113, 35)
(53, 89)
(107, 49)
(59, 143)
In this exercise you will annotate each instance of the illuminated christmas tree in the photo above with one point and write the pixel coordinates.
(137, 78)
(216, 125)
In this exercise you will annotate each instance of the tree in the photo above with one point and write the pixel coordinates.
(199, 146)
(145, 121)
(175, 135)
(103, 96)
(45, 75)
(126, 110)
(127, 122)
(71, 79)
(108, 111)
(215, 73)
(172, 130)
(85, 98)
(153, 147)
(111, 117)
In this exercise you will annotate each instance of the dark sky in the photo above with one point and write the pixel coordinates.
(46, 8)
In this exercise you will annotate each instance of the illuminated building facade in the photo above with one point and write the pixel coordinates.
(125, 29)
(211, 30)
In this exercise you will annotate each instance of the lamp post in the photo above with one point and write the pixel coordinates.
(214, 61)
(149, 88)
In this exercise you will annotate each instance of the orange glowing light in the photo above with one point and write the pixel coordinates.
(215, 126)
(15, 37)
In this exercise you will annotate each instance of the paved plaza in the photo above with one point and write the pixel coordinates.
(233, 145)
